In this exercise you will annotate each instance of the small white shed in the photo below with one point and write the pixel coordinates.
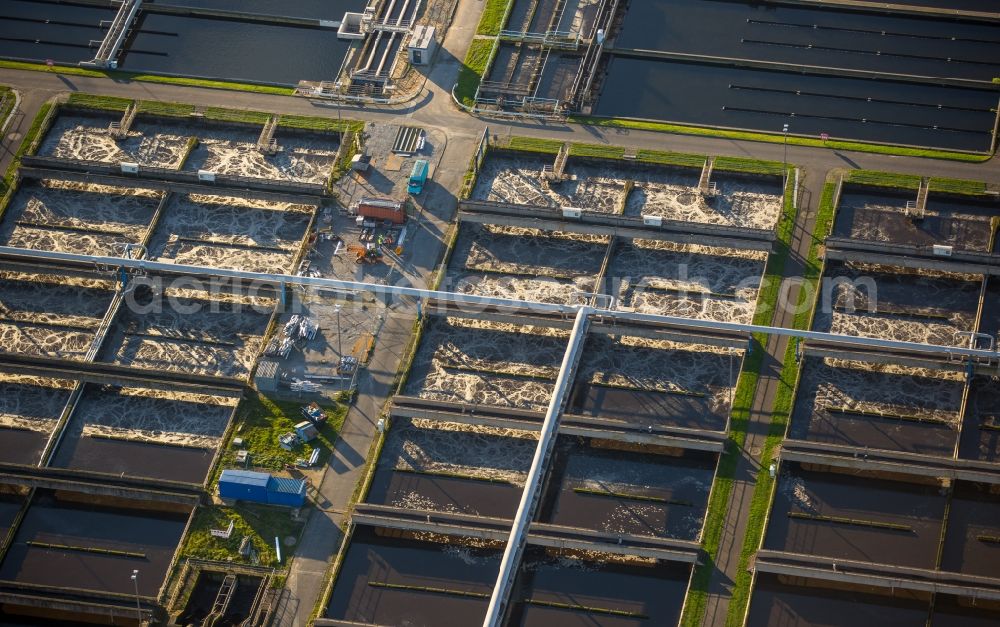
(422, 44)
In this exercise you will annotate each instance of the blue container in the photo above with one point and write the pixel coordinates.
(287, 492)
(244, 485)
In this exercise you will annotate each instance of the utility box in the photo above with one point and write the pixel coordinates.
(422, 45)
(391, 210)
(129, 168)
(942, 251)
(571, 212)
(206, 175)
(306, 431)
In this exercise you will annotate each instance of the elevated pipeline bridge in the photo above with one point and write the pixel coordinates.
(149, 177)
(593, 223)
(570, 424)
(472, 302)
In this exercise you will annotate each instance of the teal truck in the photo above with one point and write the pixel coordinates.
(418, 176)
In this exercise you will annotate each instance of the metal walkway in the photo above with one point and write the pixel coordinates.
(533, 483)
(472, 301)
(107, 53)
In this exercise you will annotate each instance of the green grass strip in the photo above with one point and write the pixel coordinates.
(586, 608)
(957, 186)
(472, 70)
(29, 138)
(784, 400)
(452, 475)
(166, 109)
(309, 123)
(492, 20)
(751, 166)
(746, 389)
(990, 539)
(888, 416)
(431, 589)
(236, 115)
(664, 157)
(883, 179)
(854, 522)
(534, 144)
(140, 77)
(91, 101)
(632, 497)
(682, 129)
(602, 151)
(86, 549)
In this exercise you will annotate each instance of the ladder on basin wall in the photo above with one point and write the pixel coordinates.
(705, 185)
(918, 209)
(222, 600)
(558, 171)
(266, 143)
(121, 128)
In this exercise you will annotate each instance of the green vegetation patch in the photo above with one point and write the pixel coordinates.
(883, 179)
(957, 186)
(236, 115)
(534, 144)
(166, 109)
(92, 101)
(472, 70)
(261, 523)
(750, 166)
(260, 420)
(494, 16)
(328, 125)
(6, 185)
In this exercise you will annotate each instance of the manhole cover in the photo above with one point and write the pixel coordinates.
(290, 540)
(755, 451)
(14, 137)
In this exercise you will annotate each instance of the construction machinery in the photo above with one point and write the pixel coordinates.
(365, 254)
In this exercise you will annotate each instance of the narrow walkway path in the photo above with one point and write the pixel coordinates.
(745, 475)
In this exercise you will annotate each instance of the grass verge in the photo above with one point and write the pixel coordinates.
(261, 523)
(681, 129)
(746, 389)
(472, 70)
(492, 20)
(763, 490)
(119, 75)
(260, 420)
(29, 138)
